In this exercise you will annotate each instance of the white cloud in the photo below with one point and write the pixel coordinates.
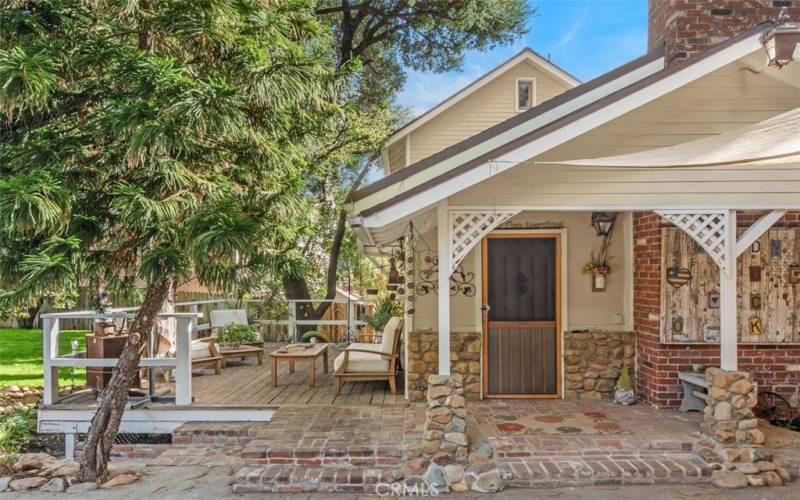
(422, 91)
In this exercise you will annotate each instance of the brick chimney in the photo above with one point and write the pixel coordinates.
(686, 27)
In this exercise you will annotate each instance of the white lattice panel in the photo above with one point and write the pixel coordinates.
(708, 229)
(468, 227)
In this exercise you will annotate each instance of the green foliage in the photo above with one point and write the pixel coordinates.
(15, 431)
(306, 337)
(386, 307)
(157, 138)
(237, 334)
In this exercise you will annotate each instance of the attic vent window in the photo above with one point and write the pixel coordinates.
(526, 91)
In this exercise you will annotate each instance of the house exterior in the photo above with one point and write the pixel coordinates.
(702, 254)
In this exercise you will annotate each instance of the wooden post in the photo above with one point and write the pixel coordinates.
(193, 309)
(727, 293)
(443, 252)
(69, 445)
(183, 361)
(292, 320)
(50, 351)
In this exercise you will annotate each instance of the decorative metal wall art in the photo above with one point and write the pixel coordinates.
(461, 282)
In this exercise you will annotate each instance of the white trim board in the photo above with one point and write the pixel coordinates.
(561, 135)
(145, 420)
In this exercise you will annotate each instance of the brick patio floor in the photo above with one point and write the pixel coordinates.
(348, 449)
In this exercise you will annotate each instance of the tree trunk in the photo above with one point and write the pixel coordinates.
(105, 423)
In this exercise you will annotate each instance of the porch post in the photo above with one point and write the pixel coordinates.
(443, 252)
(727, 293)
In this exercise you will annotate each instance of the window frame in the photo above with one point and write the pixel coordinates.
(532, 101)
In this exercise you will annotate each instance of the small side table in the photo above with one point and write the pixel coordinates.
(310, 355)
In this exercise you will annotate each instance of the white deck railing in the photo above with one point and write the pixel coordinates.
(181, 363)
(188, 328)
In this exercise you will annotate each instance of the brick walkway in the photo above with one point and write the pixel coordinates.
(348, 449)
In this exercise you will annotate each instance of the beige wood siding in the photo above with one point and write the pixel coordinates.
(724, 100)
(585, 309)
(397, 156)
(487, 106)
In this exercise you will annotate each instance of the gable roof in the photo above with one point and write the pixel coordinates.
(526, 54)
(497, 149)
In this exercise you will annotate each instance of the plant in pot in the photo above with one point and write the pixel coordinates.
(101, 304)
(385, 308)
(314, 337)
(233, 336)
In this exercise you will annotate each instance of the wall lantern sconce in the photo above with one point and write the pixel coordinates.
(781, 41)
(603, 222)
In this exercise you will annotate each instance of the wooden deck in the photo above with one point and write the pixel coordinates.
(247, 384)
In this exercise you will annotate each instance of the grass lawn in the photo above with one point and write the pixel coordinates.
(21, 357)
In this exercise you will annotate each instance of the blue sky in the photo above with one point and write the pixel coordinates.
(584, 37)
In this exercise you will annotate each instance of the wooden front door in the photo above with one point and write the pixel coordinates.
(521, 315)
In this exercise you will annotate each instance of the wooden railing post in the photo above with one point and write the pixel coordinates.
(50, 351)
(193, 309)
(293, 320)
(183, 361)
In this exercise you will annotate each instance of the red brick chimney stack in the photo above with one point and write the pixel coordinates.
(686, 27)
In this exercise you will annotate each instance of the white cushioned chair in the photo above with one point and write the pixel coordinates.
(366, 362)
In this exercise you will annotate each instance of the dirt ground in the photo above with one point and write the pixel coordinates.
(202, 483)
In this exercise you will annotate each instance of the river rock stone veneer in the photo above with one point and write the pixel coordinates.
(423, 361)
(444, 461)
(593, 362)
(734, 445)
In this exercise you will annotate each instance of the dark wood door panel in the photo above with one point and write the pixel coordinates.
(521, 342)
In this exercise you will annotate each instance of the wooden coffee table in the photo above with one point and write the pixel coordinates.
(243, 351)
(311, 354)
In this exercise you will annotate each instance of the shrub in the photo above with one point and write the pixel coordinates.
(15, 431)
(237, 334)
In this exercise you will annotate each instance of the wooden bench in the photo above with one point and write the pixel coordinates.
(695, 388)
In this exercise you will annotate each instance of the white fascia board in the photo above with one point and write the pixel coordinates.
(526, 55)
(557, 137)
(539, 121)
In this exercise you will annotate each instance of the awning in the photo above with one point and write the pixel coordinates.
(777, 137)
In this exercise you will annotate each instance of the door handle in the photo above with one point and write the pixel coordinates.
(486, 308)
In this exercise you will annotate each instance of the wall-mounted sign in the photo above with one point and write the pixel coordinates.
(794, 274)
(755, 301)
(755, 274)
(711, 333)
(677, 325)
(713, 299)
(678, 276)
(756, 327)
(775, 248)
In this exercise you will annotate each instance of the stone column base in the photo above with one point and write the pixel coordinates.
(735, 445)
(445, 433)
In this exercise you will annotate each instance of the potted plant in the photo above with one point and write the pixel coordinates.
(233, 336)
(101, 304)
(314, 337)
(385, 308)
